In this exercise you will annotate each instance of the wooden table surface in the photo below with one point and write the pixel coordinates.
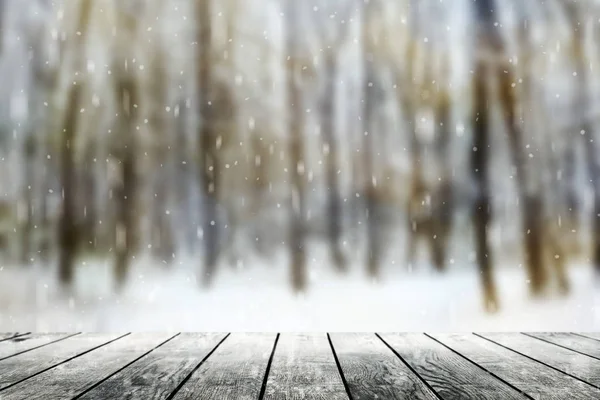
(300, 366)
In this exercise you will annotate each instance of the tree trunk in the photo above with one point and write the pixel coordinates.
(44, 220)
(67, 228)
(259, 187)
(297, 207)
(88, 196)
(208, 163)
(335, 207)
(571, 196)
(587, 132)
(127, 97)
(125, 235)
(30, 151)
(162, 242)
(443, 207)
(372, 212)
(527, 190)
(481, 211)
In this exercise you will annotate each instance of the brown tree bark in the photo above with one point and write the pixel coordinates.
(530, 197)
(372, 211)
(30, 152)
(88, 192)
(487, 39)
(125, 193)
(162, 241)
(297, 207)
(67, 226)
(259, 187)
(481, 212)
(208, 163)
(443, 197)
(127, 98)
(587, 132)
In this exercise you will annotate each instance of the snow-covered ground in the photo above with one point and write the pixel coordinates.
(258, 298)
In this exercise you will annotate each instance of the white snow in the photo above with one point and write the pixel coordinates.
(258, 298)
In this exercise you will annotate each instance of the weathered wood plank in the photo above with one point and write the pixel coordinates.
(449, 374)
(158, 374)
(568, 361)
(590, 335)
(587, 346)
(76, 376)
(304, 368)
(20, 367)
(234, 371)
(25, 343)
(538, 381)
(373, 371)
(11, 335)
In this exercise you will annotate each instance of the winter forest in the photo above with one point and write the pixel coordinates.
(285, 165)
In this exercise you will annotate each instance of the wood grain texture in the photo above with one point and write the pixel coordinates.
(568, 361)
(27, 364)
(373, 371)
(450, 375)
(159, 373)
(304, 368)
(577, 343)
(74, 377)
(25, 343)
(538, 381)
(234, 371)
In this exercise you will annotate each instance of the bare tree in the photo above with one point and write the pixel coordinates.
(528, 188)
(67, 228)
(482, 208)
(430, 204)
(332, 45)
(127, 99)
(548, 249)
(443, 196)
(586, 131)
(162, 240)
(297, 233)
(30, 147)
(330, 147)
(370, 95)
(208, 163)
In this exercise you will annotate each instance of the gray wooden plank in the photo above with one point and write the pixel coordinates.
(158, 374)
(27, 364)
(304, 367)
(21, 344)
(567, 361)
(449, 374)
(591, 335)
(373, 371)
(74, 377)
(538, 381)
(234, 371)
(581, 344)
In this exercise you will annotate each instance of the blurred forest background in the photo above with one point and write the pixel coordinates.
(261, 135)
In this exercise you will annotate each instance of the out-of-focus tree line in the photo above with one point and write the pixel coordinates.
(225, 128)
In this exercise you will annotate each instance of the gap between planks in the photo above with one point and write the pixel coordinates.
(187, 378)
(536, 360)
